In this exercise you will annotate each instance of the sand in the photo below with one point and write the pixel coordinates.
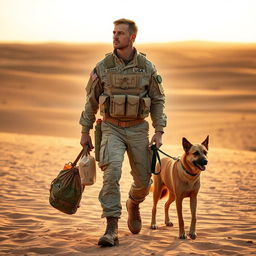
(210, 89)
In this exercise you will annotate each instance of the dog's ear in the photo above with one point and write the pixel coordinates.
(205, 142)
(186, 144)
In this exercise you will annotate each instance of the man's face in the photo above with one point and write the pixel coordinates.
(122, 37)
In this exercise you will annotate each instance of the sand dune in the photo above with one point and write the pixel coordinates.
(30, 226)
(210, 89)
(43, 88)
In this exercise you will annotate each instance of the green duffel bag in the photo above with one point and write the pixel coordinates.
(66, 189)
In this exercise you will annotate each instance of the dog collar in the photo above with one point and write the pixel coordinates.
(189, 173)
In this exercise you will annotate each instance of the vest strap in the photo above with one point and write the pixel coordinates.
(141, 61)
(109, 61)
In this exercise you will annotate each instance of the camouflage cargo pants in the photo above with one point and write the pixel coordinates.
(115, 142)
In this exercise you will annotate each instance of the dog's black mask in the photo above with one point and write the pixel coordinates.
(200, 163)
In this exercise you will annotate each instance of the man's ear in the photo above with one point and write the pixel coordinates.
(186, 144)
(206, 142)
(133, 37)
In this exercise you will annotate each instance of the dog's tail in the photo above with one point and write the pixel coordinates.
(158, 179)
(164, 192)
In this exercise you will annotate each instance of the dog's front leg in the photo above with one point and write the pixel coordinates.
(193, 203)
(182, 234)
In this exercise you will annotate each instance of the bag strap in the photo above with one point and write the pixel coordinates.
(84, 151)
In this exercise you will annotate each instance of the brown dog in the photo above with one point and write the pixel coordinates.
(182, 179)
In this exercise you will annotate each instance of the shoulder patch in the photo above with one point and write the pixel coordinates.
(159, 79)
(93, 74)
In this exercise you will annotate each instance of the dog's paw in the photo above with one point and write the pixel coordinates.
(169, 224)
(153, 226)
(183, 236)
(192, 235)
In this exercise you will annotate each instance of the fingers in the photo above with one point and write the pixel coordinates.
(158, 144)
(157, 140)
(90, 144)
(86, 140)
(151, 143)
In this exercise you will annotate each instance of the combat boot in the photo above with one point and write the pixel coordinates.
(110, 238)
(134, 219)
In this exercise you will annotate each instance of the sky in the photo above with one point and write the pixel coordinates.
(158, 20)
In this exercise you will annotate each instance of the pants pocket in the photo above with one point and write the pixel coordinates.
(132, 106)
(117, 106)
(104, 160)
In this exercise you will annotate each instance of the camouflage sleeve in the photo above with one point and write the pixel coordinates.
(93, 90)
(156, 93)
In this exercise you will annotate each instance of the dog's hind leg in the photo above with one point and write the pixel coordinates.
(171, 198)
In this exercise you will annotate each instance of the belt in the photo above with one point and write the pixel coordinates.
(123, 124)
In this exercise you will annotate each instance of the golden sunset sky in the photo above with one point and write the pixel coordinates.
(158, 20)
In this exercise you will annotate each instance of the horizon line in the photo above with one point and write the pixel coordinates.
(110, 43)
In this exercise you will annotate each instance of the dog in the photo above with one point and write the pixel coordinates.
(181, 178)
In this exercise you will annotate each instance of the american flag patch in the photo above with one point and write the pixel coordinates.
(93, 75)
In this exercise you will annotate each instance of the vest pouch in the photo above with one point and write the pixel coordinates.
(117, 106)
(104, 104)
(132, 107)
(145, 104)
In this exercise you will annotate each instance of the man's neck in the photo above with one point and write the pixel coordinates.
(126, 53)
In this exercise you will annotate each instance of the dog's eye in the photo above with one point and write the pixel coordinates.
(196, 153)
(205, 152)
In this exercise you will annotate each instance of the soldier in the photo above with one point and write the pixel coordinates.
(126, 88)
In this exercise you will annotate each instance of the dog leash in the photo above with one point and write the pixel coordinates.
(156, 157)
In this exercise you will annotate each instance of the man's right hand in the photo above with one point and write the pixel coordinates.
(86, 139)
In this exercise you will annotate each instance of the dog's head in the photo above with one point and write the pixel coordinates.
(196, 154)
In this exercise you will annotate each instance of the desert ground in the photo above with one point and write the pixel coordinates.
(210, 90)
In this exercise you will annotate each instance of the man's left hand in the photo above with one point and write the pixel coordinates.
(157, 139)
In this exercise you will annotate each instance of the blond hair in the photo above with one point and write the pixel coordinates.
(133, 29)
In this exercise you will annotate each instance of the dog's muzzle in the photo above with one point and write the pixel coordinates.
(200, 163)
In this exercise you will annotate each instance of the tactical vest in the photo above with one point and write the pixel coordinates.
(125, 89)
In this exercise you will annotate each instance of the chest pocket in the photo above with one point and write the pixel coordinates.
(127, 81)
